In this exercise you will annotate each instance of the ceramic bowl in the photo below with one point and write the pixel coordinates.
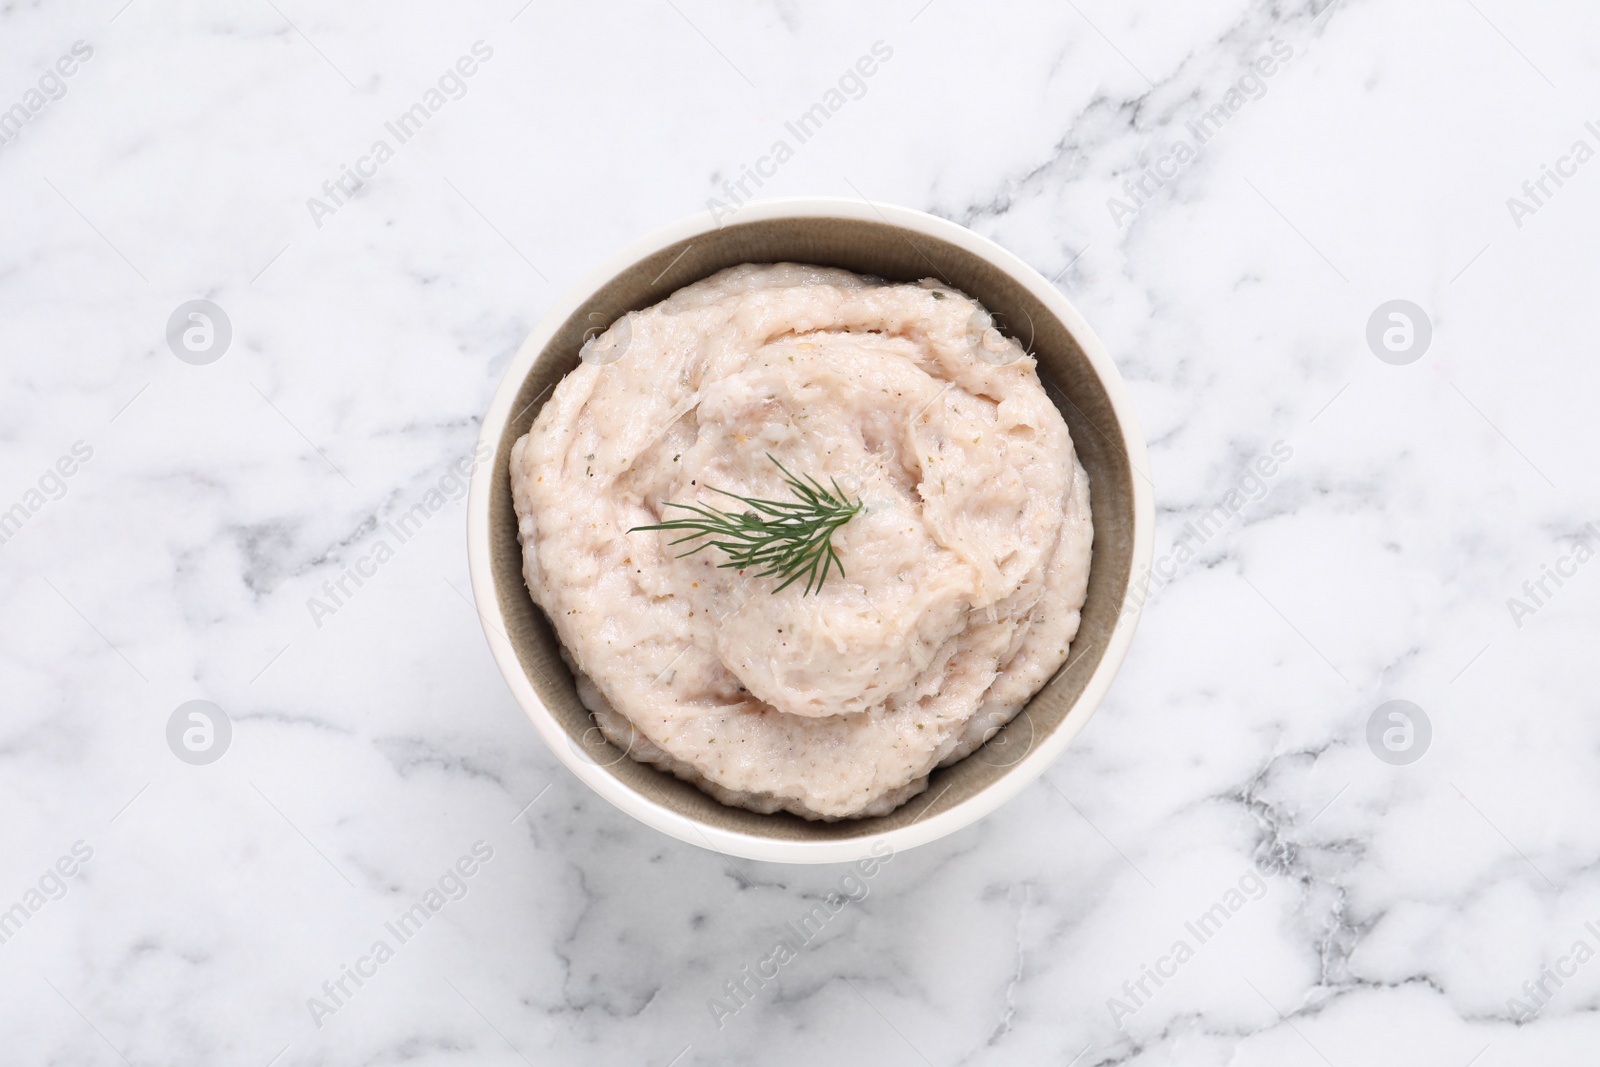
(898, 244)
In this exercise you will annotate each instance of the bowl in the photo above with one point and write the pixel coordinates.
(899, 244)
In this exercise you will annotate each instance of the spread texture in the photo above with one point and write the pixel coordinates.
(963, 571)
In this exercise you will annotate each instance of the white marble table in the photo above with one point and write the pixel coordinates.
(1407, 910)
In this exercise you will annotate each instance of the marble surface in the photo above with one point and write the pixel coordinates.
(1371, 911)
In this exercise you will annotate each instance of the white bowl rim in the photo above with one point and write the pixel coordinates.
(747, 846)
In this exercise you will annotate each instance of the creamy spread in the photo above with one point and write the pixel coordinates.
(964, 570)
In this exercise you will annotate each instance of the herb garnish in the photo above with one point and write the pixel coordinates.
(788, 539)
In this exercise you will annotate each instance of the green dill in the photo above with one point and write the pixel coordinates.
(788, 540)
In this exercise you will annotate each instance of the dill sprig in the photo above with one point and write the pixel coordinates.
(788, 540)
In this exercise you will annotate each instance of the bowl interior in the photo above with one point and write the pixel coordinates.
(897, 254)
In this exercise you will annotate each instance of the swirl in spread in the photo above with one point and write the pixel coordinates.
(964, 571)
